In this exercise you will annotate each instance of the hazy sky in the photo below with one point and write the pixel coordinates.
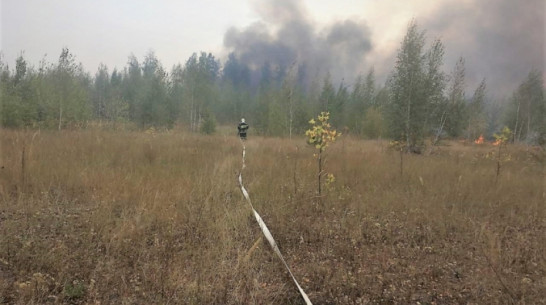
(501, 40)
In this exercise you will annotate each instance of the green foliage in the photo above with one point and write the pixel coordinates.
(54, 96)
(208, 126)
(373, 125)
(70, 102)
(504, 136)
(276, 120)
(200, 92)
(407, 105)
(73, 291)
(433, 86)
(328, 94)
(152, 106)
(362, 98)
(501, 139)
(338, 106)
(417, 100)
(477, 122)
(454, 109)
(321, 134)
(527, 110)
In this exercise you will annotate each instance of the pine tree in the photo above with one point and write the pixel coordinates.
(101, 92)
(200, 75)
(117, 108)
(209, 122)
(328, 95)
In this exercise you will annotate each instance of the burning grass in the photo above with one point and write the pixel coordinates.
(95, 217)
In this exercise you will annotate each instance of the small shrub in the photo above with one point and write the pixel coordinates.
(74, 290)
(320, 136)
(209, 123)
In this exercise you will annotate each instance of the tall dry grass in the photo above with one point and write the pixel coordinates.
(96, 217)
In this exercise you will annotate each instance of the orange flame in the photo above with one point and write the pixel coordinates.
(497, 143)
(479, 140)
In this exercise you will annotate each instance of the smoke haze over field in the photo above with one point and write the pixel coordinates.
(287, 35)
(501, 40)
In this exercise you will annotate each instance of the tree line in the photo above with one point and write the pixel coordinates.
(418, 101)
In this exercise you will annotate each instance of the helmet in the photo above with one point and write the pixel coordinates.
(242, 120)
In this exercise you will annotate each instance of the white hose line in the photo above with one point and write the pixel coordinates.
(266, 231)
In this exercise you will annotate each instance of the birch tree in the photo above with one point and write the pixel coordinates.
(477, 121)
(452, 108)
(528, 110)
(71, 86)
(406, 110)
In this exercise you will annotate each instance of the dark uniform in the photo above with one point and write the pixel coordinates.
(242, 127)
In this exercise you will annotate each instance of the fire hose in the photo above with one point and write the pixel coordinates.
(266, 231)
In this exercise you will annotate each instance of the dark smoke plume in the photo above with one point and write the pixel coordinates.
(287, 36)
(501, 40)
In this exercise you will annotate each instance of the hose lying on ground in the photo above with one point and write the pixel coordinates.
(265, 230)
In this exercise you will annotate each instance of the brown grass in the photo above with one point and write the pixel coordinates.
(133, 218)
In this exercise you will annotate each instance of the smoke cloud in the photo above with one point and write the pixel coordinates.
(501, 40)
(287, 36)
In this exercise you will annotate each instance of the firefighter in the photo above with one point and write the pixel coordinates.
(242, 127)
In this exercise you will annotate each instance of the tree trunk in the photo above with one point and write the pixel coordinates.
(290, 114)
(23, 181)
(191, 111)
(401, 163)
(408, 117)
(198, 121)
(528, 122)
(60, 116)
(319, 171)
(517, 121)
(442, 123)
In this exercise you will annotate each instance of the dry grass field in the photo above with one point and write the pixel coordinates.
(97, 217)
